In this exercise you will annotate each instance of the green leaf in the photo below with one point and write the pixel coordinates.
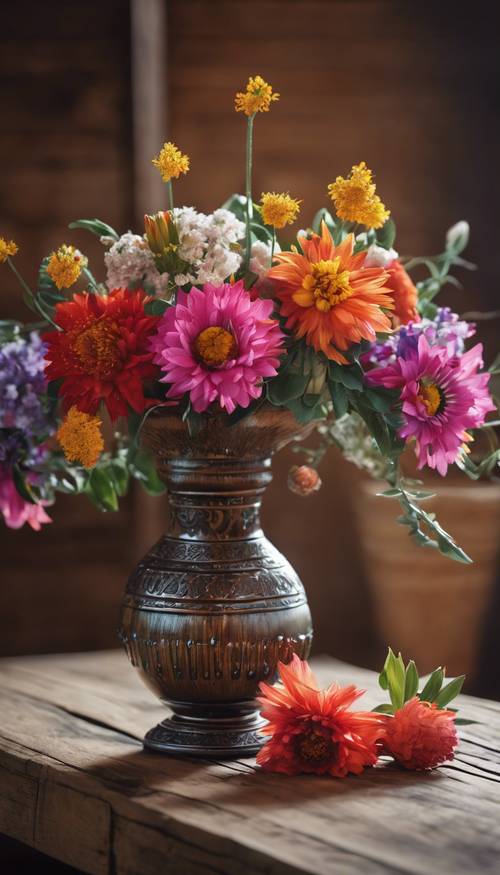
(389, 493)
(350, 376)
(381, 399)
(156, 307)
(382, 680)
(384, 709)
(142, 467)
(119, 473)
(323, 215)
(286, 387)
(387, 234)
(304, 413)
(95, 226)
(461, 721)
(260, 232)
(411, 681)
(395, 672)
(101, 490)
(340, 399)
(25, 489)
(433, 686)
(450, 691)
(236, 204)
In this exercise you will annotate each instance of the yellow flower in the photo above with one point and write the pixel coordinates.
(171, 162)
(355, 198)
(7, 249)
(65, 266)
(278, 209)
(257, 98)
(80, 437)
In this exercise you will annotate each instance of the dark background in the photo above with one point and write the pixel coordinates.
(89, 93)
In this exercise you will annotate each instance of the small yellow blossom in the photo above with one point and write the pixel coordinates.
(356, 200)
(7, 249)
(80, 437)
(278, 209)
(171, 162)
(65, 266)
(257, 98)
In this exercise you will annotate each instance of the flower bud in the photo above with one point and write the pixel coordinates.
(457, 236)
(303, 480)
(163, 241)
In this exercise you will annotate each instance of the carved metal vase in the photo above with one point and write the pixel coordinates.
(213, 606)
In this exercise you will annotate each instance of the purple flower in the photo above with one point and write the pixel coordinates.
(446, 329)
(23, 386)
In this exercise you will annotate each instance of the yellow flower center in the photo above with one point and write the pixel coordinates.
(329, 284)
(432, 398)
(215, 346)
(96, 347)
(315, 747)
(80, 437)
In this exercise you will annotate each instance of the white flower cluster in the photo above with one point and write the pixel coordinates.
(130, 265)
(356, 443)
(260, 257)
(208, 244)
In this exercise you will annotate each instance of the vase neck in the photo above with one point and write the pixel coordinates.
(215, 498)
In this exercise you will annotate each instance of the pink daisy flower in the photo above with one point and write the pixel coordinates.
(442, 396)
(217, 345)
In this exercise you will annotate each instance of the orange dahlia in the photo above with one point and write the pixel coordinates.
(404, 292)
(421, 735)
(313, 730)
(328, 296)
(102, 352)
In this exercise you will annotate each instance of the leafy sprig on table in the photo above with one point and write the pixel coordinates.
(402, 683)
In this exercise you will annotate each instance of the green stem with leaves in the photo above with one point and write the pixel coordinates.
(30, 299)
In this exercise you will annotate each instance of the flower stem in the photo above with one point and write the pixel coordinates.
(170, 194)
(273, 244)
(248, 189)
(30, 299)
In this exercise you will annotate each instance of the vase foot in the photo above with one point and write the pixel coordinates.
(211, 732)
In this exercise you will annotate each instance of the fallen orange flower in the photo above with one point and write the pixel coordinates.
(313, 730)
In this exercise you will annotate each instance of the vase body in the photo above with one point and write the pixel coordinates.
(213, 606)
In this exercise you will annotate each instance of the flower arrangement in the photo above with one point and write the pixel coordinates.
(315, 731)
(213, 315)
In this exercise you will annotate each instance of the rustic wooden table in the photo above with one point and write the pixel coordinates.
(76, 784)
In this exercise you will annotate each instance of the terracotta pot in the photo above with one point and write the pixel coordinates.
(213, 605)
(427, 606)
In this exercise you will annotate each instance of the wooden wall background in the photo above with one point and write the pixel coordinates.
(411, 88)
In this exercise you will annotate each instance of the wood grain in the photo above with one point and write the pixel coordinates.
(75, 783)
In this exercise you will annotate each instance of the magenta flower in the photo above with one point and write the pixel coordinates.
(442, 396)
(15, 510)
(217, 345)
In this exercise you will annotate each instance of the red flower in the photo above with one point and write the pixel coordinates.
(312, 730)
(405, 294)
(102, 352)
(421, 735)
